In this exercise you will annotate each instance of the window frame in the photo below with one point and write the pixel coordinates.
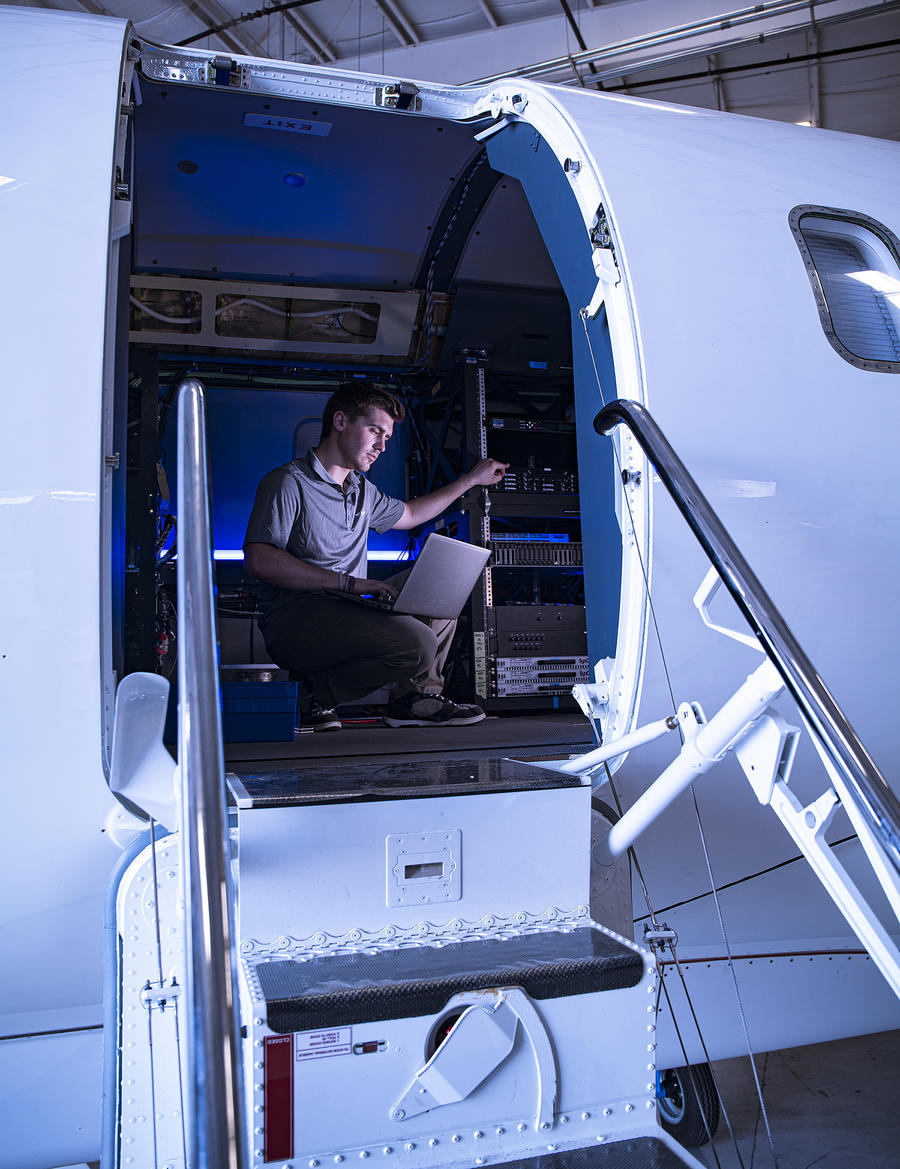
(855, 218)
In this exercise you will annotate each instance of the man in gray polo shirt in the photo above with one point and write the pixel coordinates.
(306, 540)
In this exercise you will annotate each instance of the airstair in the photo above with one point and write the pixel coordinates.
(420, 980)
(398, 963)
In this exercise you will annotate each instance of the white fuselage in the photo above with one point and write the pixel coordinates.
(712, 324)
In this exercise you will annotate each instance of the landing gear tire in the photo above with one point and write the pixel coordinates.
(684, 1097)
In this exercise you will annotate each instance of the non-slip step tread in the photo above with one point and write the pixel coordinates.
(365, 782)
(346, 989)
(638, 1153)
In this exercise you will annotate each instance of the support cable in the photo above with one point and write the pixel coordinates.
(665, 990)
(734, 979)
(713, 889)
(644, 571)
(792, 860)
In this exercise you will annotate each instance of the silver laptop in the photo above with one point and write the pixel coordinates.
(440, 580)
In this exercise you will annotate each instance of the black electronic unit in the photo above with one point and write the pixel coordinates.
(539, 630)
(536, 479)
(540, 452)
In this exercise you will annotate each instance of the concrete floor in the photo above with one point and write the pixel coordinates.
(830, 1105)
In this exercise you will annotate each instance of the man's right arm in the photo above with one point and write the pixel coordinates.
(277, 567)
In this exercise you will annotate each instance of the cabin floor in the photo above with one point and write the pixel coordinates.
(524, 736)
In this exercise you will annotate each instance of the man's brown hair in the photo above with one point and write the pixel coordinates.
(356, 398)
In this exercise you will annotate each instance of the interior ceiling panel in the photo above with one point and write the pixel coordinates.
(839, 67)
(221, 197)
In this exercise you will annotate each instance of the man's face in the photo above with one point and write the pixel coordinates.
(361, 440)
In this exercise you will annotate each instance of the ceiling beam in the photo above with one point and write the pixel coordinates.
(92, 6)
(573, 24)
(221, 24)
(712, 64)
(488, 12)
(787, 61)
(812, 76)
(312, 38)
(399, 23)
(776, 18)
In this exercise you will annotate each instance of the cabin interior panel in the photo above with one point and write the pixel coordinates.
(349, 203)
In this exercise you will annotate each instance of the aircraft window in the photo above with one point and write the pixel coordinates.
(853, 263)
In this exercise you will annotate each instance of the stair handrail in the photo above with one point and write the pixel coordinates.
(214, 1067)
(826, 720)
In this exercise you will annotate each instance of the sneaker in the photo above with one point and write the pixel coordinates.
(414, 709)
(314, 717)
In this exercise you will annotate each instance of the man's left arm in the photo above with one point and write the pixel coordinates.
(426, 507)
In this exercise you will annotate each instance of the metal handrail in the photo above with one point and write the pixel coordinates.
(216, 1120)
(866, 785)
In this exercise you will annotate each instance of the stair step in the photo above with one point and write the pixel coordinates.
(360, 782)
(637, 1153)
(345, 989)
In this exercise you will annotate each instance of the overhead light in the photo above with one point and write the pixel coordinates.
(386, 554)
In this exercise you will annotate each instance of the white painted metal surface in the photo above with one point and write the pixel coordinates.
(611, 1097)
(299, 868)
(60, 101)
(141, 768)
(153, 1107)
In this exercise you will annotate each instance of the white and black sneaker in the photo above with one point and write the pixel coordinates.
(414, 709)
(314, 717)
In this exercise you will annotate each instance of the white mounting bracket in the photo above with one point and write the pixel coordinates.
(593, 697)
(766, 754)
(703, 597)
(480, 1040)
(141, 769)
(495, 128)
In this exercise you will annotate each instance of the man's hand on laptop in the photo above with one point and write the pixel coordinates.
(378, 589)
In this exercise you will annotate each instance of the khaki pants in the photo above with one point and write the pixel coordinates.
(345, 650)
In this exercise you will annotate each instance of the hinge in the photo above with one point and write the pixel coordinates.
(220, 70)
(112, 460)
(121, 189)
(606, 263)
(400, 95)
(601, 235)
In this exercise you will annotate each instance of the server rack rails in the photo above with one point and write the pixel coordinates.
(528, 616)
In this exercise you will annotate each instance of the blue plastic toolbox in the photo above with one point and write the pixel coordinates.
(256, 712)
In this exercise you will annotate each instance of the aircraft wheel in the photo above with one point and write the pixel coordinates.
(684, 1096)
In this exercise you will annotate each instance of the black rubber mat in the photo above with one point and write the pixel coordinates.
(360, 782)
(638, 1153)
(346, 989)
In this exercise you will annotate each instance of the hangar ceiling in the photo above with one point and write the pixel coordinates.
(831, 63)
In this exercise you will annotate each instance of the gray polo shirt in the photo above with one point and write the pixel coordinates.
(301, 509)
